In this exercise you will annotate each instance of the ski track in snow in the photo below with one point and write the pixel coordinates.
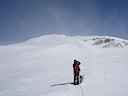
(77, 90)
(27, 70)
(28, 57)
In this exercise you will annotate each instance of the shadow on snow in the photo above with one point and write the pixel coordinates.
(61, 84)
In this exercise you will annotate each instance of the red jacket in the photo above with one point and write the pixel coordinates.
(76, 67)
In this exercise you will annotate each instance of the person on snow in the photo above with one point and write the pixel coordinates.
(76, 70)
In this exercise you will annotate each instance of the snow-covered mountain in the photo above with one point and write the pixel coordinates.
(54, 40)
(43, 66)
(107, 41)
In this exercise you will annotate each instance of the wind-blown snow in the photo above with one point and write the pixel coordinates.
(43, 67)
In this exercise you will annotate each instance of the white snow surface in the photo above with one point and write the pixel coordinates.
(43, 67)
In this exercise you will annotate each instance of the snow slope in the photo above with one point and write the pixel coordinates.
(43, 67)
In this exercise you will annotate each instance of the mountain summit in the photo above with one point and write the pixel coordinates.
(55, 40)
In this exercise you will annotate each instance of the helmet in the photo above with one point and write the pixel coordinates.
(75, 60)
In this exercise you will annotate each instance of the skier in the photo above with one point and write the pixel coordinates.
(76, 70)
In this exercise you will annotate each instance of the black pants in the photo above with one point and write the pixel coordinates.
(76, 78)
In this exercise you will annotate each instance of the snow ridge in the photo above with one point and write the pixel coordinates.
(107, 42)
(55, 40)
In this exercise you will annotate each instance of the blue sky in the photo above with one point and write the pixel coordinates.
(24, 19)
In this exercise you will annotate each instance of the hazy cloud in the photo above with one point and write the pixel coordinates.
(24, 19)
